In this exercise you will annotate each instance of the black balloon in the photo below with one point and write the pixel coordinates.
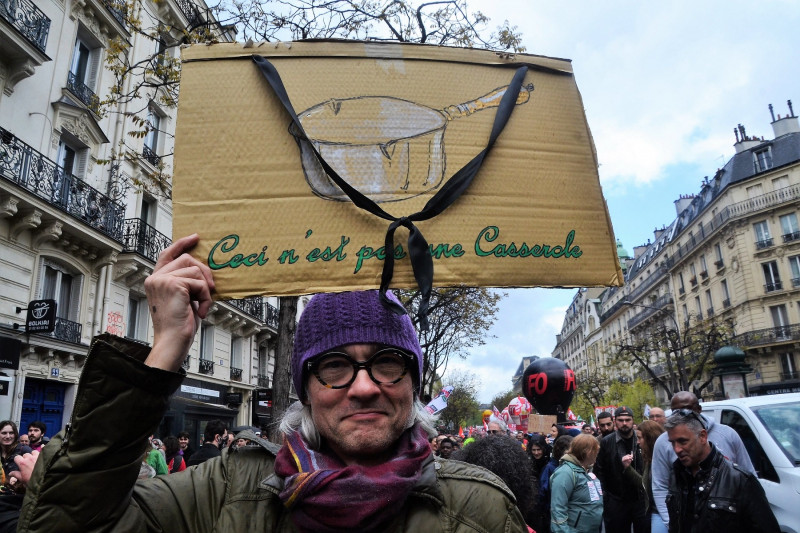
(549, 384)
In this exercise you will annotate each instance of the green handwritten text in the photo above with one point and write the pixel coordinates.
(226, 245)
(490, 233)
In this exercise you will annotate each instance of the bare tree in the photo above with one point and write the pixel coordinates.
(459, 319)
(287, 318)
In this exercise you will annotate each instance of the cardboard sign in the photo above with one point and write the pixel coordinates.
(396, 122)
(541, 423)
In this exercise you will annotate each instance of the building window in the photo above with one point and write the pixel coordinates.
(772, 280)
(780, 320)
(794, 264)
(71, 157)
(699, 307)
(780, 183)
(83, 72)
(681, 286)
(703, 267)
(789, 227)
(206, 342)
(137, 318)
(63, 285)
(150, 150)
(709, 303)
(755, 190)
(720, 262)
(788, 367)
(726, 297)
(685, 315)
(763, 238)
(762, 159)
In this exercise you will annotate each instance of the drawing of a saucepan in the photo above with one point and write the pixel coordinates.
(388, 148)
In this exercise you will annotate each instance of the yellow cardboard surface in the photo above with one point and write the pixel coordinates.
(395, 121)
(541, 423)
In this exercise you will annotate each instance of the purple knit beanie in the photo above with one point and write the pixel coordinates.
(333, 320)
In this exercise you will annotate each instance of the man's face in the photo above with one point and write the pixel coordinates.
(689, 447)
(183, 442)
(362, 422)
(537, 452)
(624, 425)
(24, 440)
(587, 430)
(606, 426)
(494, 429)
(657, 415)
(34, 434)
(445, 449)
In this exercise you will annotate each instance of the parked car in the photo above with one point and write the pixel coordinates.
(770, 429)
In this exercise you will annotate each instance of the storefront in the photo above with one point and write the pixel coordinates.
(193, 405)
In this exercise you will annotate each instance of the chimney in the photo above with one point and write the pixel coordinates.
(659, 232)
(683, 202)
(639, 250)
(785, 125)
(743, 142)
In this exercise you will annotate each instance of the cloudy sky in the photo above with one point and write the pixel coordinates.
(664, 84)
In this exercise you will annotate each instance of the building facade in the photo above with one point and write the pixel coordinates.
(85, 207)
(731, 255)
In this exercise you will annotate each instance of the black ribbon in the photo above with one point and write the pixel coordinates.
(419, 252)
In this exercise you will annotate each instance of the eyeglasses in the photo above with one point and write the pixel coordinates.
(494, 431)
(689, 412)
(337, 370)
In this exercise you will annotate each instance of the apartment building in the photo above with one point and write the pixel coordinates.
(85, 208)
(731, 254)
(580, 325)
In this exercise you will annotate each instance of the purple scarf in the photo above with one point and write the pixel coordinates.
(325, 495)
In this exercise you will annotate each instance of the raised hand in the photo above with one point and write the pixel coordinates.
(179, 296)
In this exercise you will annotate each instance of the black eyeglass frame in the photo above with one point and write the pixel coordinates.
(689, 412)
(313, 367)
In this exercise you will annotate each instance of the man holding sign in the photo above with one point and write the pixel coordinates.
(355, 455)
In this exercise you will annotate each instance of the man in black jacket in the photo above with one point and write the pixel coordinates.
(215, 437)
(623, 503)
(708, 493)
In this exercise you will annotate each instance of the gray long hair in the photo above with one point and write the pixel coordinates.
(298, 418)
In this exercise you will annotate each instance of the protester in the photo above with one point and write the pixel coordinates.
(539, 454)
(560, 447)
(36, 434)
(172, 450)
(657, 415)
(576, 501)
(446, 447)
(215, 438)
(11, 490)
(605, 423)
(725, 439)
(505, 458)
(708, 493)
(497, 426)
(355, 455)
(646, 434)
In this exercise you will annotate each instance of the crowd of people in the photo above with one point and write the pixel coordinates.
(359, 451)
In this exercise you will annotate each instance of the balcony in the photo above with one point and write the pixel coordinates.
(236, 374)
(681, 291)
(710, 312)
(795, 282)
(190, 11)
(786, 376)
(263, 381)
(271, 316)
(657, 275)
(791, 237)
(67, 330)
(650, 310)
(150, 156)
(772, 287)
(29, 169)
(761, 337)
(253, 306)
(726, 303)
(82, 92)
(720, 264)
(765, 243)
(142, 238)
(27, 19)
(704, 275)
(206, 366)
(119, 10)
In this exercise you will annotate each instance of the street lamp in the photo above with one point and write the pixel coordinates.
(732, 371)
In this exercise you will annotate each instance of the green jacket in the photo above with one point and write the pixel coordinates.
(83, 478)
(576, 501)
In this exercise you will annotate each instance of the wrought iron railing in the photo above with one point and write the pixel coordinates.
(791, 237)
(67, 330)
(774, 335)
(236, 374)
(648, 311)
(206, 366)
(771, 287)
(119, 10)
(190, 11)
(271, 316)
(28, 19)
(764, 243)
(263, 381)
(794, 374)
(720, 264)
(150, 156)
(252, 305)
(82, 91)
(24, 166)
(657, 275)
(142, 238)
(726, 303)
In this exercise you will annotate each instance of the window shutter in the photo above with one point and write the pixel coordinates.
(75, 298)
(79, 167)
(94, 68)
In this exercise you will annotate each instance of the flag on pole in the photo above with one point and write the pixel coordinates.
(591, 420)
(461, 432)
(647, 410)
(571, 415)
(440, 402)
(496, 411)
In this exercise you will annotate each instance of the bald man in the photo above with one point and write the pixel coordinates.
(725, 439)
(657, 415)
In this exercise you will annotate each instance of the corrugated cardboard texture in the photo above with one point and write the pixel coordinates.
(271, 223)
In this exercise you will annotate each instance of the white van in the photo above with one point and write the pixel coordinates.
(770, 429)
